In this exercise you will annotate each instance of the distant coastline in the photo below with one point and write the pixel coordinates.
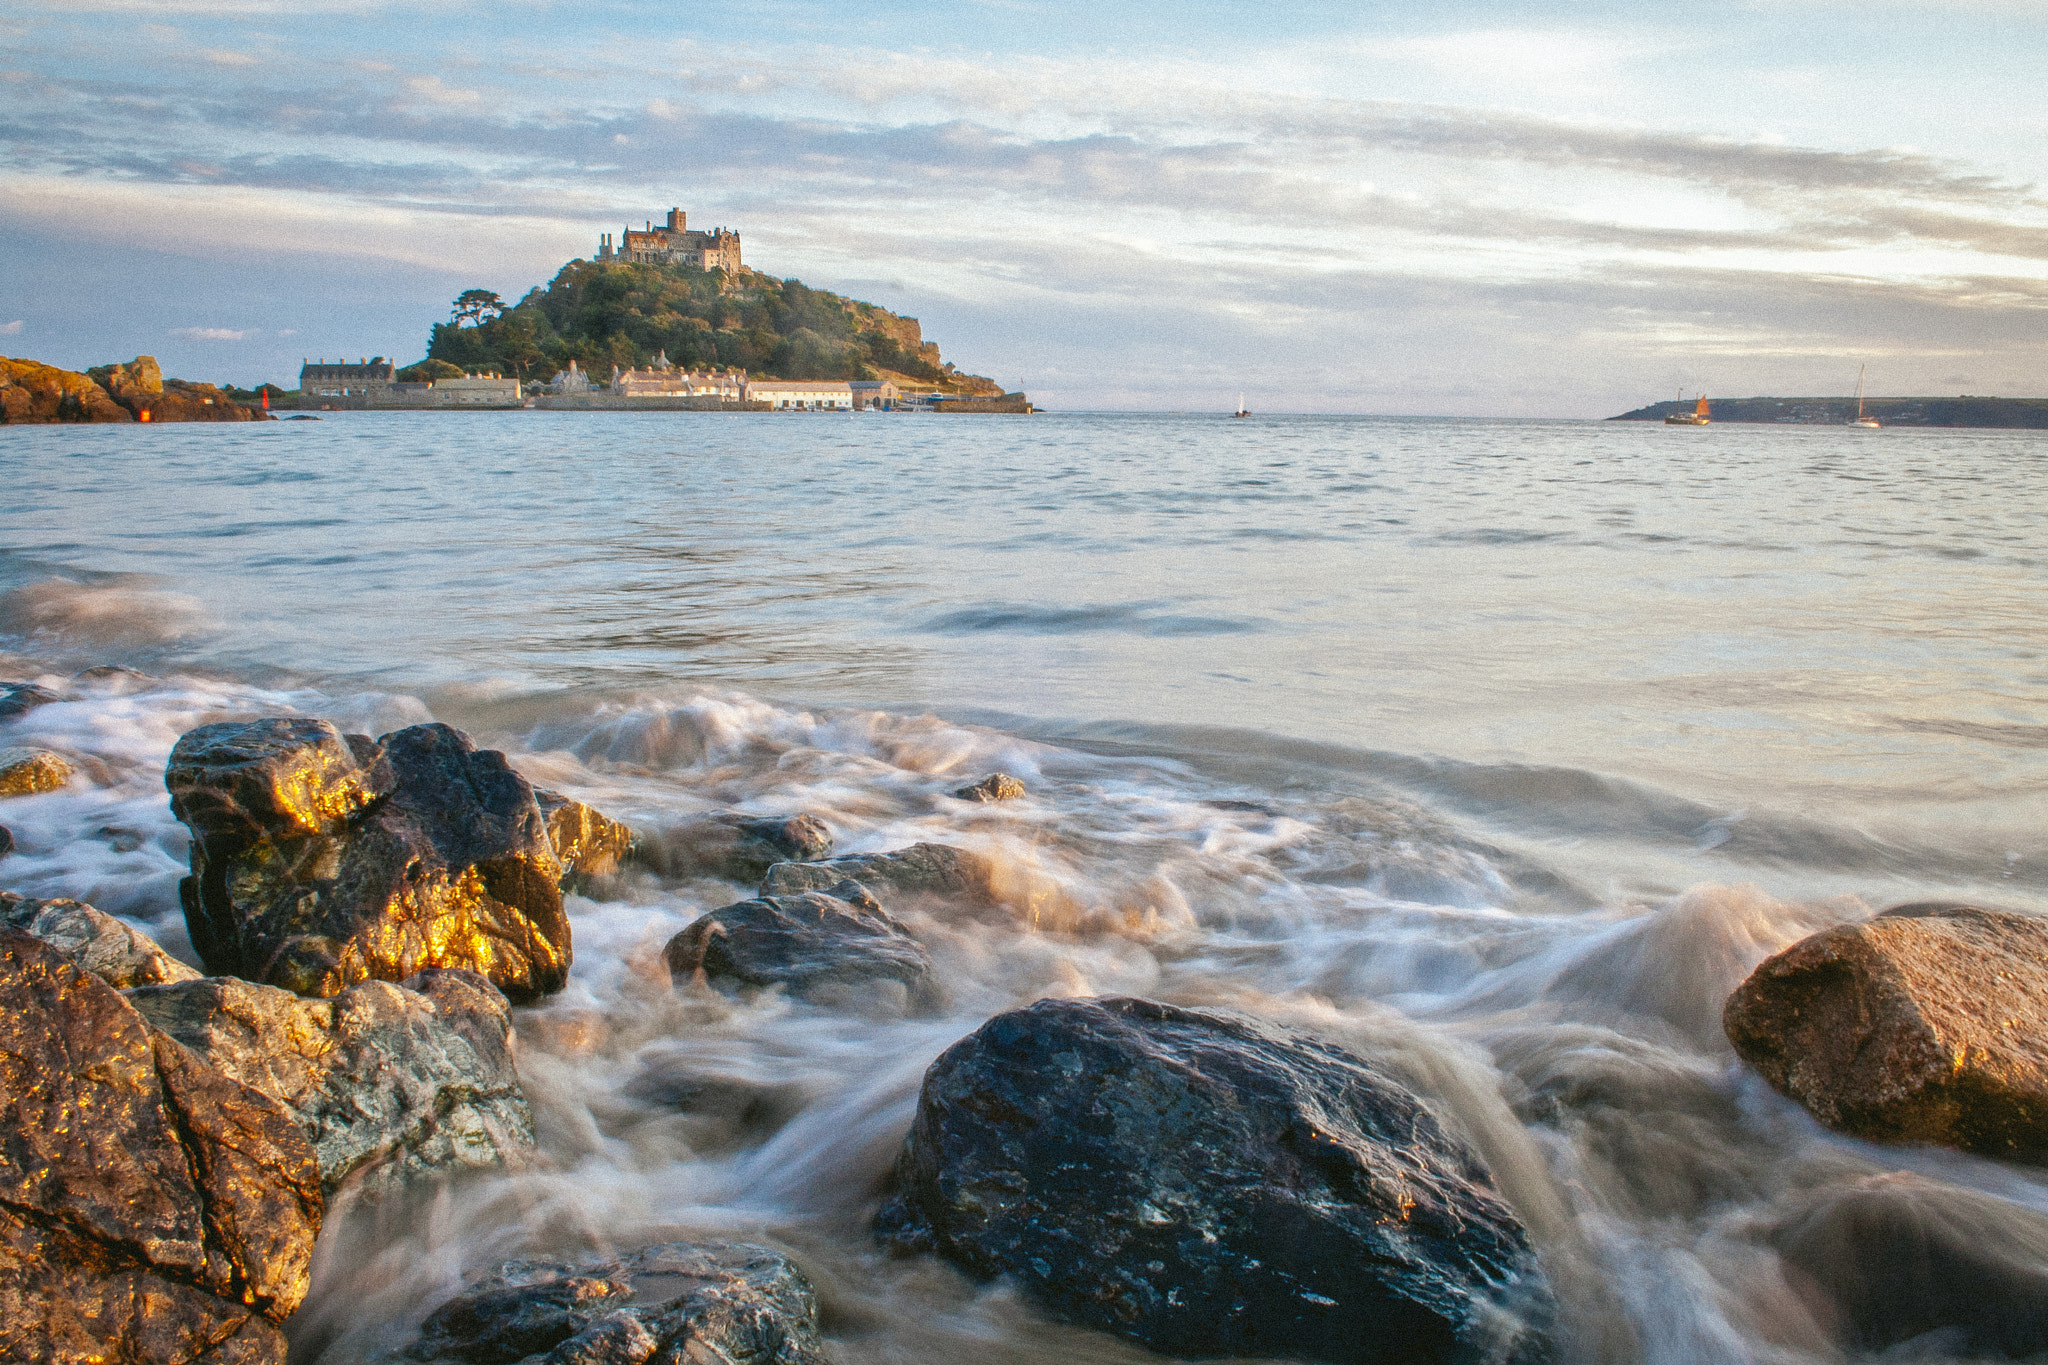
(1965, 410)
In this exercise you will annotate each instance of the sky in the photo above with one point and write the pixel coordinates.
(1488, 209)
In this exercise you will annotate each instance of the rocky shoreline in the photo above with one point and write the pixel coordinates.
(1196, 1180)
(32, 392)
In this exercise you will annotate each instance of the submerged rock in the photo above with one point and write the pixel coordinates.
(736, 847)
(320, 860)
(94, 940)
(589, 845)
(24, 772)
(994, 787)
(152, 1210)
(1210, 1184)
(1928, 1023)
(19, 698)
(815, 943)
(390, 1081)
(1896, 1257)
(937, 870)
(688, 1303)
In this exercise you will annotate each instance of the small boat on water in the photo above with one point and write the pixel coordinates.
(1696, 418)
(1861, 420)
(1242, 411)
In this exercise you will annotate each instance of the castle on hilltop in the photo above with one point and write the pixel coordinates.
(675, 244)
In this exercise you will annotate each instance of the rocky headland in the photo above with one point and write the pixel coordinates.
(32, 392)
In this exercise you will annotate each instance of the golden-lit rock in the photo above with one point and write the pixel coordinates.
(995, 787)
(24, 772)
(116, 954)
(589, 844)
(152, 1211)
(1928, 1023)
(31, 391)
(320, 860)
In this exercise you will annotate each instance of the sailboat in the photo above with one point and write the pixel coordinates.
(1696, 418)
(1242, 411)
(1869, 423)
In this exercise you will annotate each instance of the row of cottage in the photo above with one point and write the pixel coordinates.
(375, 384)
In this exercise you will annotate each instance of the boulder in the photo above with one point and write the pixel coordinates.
(394, 1082)
(94, 940)
(736, 847)
(152, 1210)
(6, 841)
(589, 845)
(1895, 1257)
(1928, 1023)
(320, 860)
(1211, 1184)
(24, 772)
(835, 943)
(937, 870)
(19, 698)
(31, 391)
(994, 787)
(680, 1302)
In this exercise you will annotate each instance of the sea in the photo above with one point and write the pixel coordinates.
(1499, 751)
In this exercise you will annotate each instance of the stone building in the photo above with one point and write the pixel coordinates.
(876, 393)
(663, 380)
(807, 395)
(674, 244)
(571, 380)
(371, 379)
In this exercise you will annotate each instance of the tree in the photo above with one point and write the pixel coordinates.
(477, 306)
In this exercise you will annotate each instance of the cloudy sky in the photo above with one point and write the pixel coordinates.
(1558, 209)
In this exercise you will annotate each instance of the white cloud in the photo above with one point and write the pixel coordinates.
(226, 57)
(12, 329)
(213, 333)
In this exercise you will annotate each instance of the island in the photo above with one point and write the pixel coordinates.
(1964, 410)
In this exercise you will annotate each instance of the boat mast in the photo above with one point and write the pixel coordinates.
(1859, 390)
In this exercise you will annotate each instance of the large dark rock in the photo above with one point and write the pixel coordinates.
(116, 954)
(19, 698)
(936, 870)
(733, 846)
(152, 1211)
(589, 844)
(388, 1083)
(1210, 1184)
(679, 1302)
(320, 860)
(6, 841)
(839, 944)
(1928, 1023)
(1896, 1257)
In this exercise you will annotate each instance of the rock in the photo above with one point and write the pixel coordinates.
(24, 772)
(589, 845)
(994, 787)
(31, 391)
(394, 1082)
(938, 870)
(19, 698)
(816, 943)
(679, 1303)
(94, 940)
(736, 847)
(1895, 1257)
(1928, 1023)
(6, 841)
(1210, 1184)
(320, 860)
(152, 1211)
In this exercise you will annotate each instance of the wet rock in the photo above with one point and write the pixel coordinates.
(1897, 1257)
(1928, 1023)
(737, 847)
(24, 772)
(6, 841)
(152, 1210)
(994, 787)
(320, 860)
(1210, 1184)
(589, 845)
(680, 1303)
(839, 943)
(94, 940)
(389, 1083)
(19, 698)
(938, 870)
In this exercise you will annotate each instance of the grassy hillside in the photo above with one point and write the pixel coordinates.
(602, 314)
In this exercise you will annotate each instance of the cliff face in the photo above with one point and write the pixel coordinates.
(140, 387)
(31, 391)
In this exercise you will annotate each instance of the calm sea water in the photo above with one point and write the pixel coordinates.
(1500, 749)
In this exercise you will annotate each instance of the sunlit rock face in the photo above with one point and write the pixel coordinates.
(24, 771)
(1928, 1023)
(389, 1083)
(1210, 1184)
(684, 1302)
(152, 1210)
(320, 860)
(589, 844)
(116, 954)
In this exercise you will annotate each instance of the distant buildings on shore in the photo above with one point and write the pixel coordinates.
(374, 383)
